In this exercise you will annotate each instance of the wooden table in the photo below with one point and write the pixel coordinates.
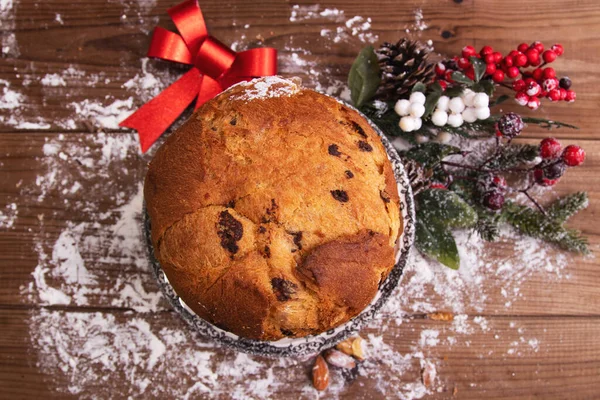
(108, 38)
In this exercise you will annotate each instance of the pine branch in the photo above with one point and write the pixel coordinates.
(564, 208)
(514, 155)
(548, 124)
(488, 225)
(535, 224)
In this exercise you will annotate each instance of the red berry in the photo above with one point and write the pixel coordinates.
(533, 89)
(573, 155)
(522, 98)
(437, 185)
(512, 72)
(448, 76)
(533, 56)
(558, 49)
(550, 148)
(549, 56)
(542, 180)
(538, 46)
(470, 72)
(537, 74)
(520, 60)
(440, 69)
(563, 93)
(463, 63)
(554, 95)
(508, 61)
(443, 84)
(498, 76)
(490, 69)
(533, 103)
(493, 200)
(543, 93)
(571, 95)
(549, 73)
(513, 53)
(499, 182)
(489, 59)
(485, 50)
(550, 84)
(523, 47)
(468, 51)
(497, 56)
(518, 85)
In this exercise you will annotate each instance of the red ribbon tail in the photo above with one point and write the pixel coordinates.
(210, 88)
(154, 117)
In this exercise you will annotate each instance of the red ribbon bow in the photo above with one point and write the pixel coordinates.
(216, 67)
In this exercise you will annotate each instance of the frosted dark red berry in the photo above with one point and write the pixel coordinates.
(573, 155)
(493, 200)
(550, 149)
(510, 125)
(555, 170)
(541, 180)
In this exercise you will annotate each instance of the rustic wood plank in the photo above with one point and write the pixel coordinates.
(96, 39)
(564, 365)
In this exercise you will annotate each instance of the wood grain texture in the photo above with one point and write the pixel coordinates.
(107, 39)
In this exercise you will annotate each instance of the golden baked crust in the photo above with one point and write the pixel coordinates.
(274, 211)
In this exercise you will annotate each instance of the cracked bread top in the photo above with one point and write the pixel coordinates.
(274, 211)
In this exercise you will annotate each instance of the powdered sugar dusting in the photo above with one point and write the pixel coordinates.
(266, 88)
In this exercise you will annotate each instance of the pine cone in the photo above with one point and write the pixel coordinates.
(402, 66)
(419, 178)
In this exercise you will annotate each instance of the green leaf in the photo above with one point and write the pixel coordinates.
(479, 66)
(431, 101)
(419, 87)
(364, 77)
(461, 78)
(434, 240)
(501, 99)
(446, 207)
(430, 153)
(486, 87)
(454, 91)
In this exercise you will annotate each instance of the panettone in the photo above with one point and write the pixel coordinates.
(274, 211)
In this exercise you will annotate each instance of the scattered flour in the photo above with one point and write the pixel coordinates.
(147, 346)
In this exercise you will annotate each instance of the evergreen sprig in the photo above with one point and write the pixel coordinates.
(533, 223)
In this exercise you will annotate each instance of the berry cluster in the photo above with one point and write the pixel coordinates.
(468, 107)
(492, 186)
(555, 161)
(411, 111)
(530, 85)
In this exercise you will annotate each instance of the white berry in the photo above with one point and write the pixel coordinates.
(402, 107)
(481, 100)
(417, 97)
(483, 112)
(418, 123)
(407, 124)
(469, 115)
(455, 120)
(439, 117)
(417, 110)
(442, 103)
(456, 105)
(421, 138)
(443, 137)
(468, 95)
